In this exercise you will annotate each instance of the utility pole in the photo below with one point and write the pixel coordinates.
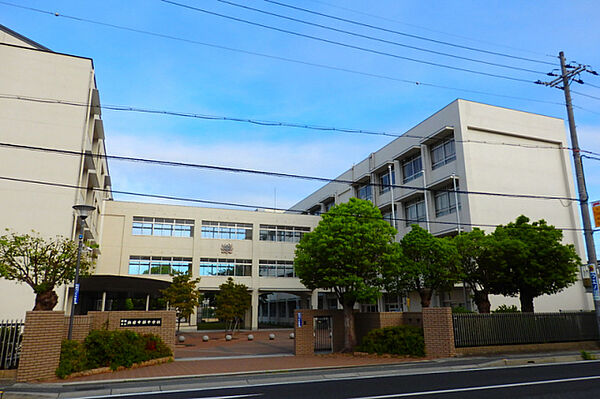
(569, 73)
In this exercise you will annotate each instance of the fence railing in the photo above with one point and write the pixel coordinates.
(523, 328)
(11, 334)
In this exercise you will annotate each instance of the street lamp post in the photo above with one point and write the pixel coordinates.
(83, 212)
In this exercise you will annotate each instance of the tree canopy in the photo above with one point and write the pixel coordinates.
(422, 263)
(233, 300)
(345, 253)
(41, 263)
(182, 295)
(531, 261)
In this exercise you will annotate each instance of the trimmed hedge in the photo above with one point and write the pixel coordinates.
(399, 340)
(112, 349)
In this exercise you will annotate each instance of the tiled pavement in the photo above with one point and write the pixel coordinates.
(218, 356)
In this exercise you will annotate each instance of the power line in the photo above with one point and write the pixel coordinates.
(334, 42)
(429, 29)
(585, 95)
(403, 33)
(274, 174)
(355, 34)
(275, 57)
(128, 108)
(233, 204)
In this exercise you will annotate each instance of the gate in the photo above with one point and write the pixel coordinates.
(323, 333)
(11, 333)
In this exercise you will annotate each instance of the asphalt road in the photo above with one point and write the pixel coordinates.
(576, 380)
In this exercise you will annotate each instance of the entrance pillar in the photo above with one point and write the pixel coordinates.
(254, 312)
(103, 307)
(314, 300)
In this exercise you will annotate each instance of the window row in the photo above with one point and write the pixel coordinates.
(226, 230)
(225, 267)
(150, 226)
(412, 168)
(140, 265)
(276, 268)
(282, 233)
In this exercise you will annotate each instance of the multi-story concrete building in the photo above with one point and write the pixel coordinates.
(469, 165)
(143, 243)
(31, 197)
(443, 172)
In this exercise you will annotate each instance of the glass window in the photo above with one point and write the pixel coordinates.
(226, 230)
(149, 226)
(412, 168)
(291, 234)
(384, 181)
(443, 153)
(445, 201)
(225, 267)
(364, 192)
(414, 212)
(276, 268)
(139, 265)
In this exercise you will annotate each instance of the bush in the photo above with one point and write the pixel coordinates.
(112, 349)
(506, 309)
(400, 340)
(72, 358)
(461, 309)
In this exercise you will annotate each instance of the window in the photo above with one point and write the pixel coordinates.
(414, 212)
(412, 168)
(445, 201)
(364, 192)
(276, 268)
(443, 153)
(282, 233)
(225, 267)
(139, 265)
(226, 230)
(384, 181)
(387, 216)
(150, 226)
(329, 205)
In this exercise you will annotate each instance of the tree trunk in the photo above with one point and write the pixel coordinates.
(349, 334)
(482, 301)
(425, 295)
(526, 302)
(46, 300)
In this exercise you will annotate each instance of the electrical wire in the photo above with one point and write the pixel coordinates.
(274, 174)
(592, 85)
(585, 95)
(346, 45)
(355, 34)
(404, 33)
(233, 204)
(274, 57)
(128, 108)
(430, 30)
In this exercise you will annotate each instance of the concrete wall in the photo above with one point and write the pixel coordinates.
(32, 73)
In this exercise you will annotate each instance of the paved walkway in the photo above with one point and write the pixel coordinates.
(218, 356)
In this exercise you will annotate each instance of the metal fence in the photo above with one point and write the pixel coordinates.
(523, 328)
(11, 334)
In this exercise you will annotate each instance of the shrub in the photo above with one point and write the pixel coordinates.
(112, 349)
(400, 340)
(506, 309)
(72, 358)
(461, 309)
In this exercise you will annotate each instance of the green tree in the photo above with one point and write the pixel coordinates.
(475, 253)
(233, 300)
(182, 295)
(345, 253)
(532, 261)
(41, 263)
(423, 263)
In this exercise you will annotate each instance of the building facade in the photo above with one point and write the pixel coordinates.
(146, 242)
(38, 188)
(452, 172)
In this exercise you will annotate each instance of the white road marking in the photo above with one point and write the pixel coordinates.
(230, 397)
(442, 391)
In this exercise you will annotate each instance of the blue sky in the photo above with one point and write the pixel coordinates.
(146, 71)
